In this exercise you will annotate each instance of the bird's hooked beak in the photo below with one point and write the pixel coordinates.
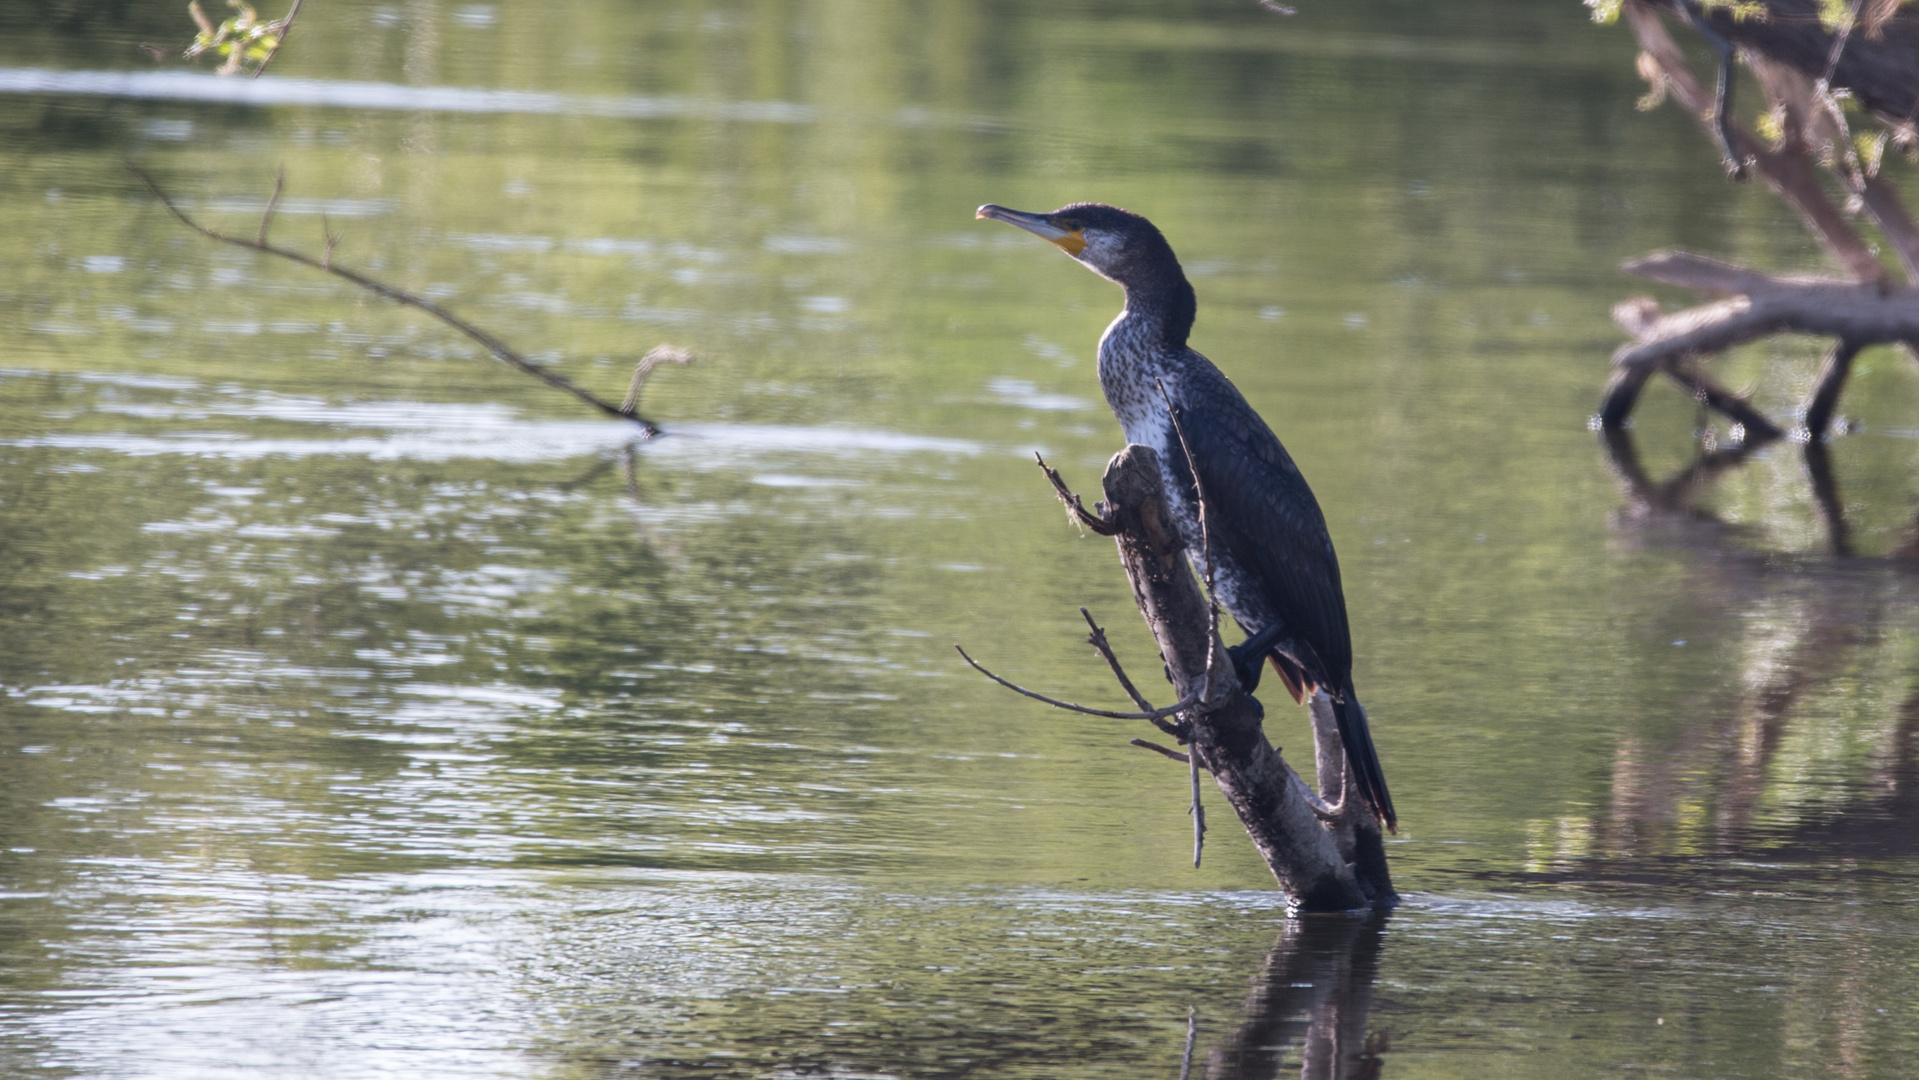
(1071, 241)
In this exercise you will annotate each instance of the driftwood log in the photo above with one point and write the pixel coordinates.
(1323, 848)
(1804, 69)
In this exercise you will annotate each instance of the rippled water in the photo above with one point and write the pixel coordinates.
(368, 709)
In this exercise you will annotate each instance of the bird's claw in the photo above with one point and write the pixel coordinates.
(1249, 656)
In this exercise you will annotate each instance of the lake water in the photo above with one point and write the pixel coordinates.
(367, 709)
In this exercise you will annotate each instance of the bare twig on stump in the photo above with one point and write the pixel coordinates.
(1097, 639)
(499, 349)
(1074, 508)
(1162, 751)
(1196, 808)
(1205, 534)
(1152, 714)
(655, 356)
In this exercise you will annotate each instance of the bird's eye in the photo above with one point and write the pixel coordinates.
(1072, 225)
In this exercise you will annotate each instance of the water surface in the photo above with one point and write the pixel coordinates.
(370, 710)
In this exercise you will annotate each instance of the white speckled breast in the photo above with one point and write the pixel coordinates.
(1133, 365)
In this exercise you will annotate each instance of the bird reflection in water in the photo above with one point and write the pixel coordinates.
(1314, 992)
(1816, 635)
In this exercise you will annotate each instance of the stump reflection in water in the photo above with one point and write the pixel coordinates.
(1314, 991)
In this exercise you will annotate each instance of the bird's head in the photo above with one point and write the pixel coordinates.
(1114, 243)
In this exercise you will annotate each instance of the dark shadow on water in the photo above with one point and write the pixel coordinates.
(1309, 1005)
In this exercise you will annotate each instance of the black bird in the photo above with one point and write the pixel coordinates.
(1274, 567)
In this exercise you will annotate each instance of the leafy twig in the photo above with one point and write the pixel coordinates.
(242, 38)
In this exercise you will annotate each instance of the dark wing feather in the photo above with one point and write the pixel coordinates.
(1260, 510)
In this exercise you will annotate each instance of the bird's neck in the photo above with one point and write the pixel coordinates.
(1140, 360)
(1162, 307)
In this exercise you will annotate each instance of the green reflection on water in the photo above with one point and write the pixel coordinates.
(364, 705)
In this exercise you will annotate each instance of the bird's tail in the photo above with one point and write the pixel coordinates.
(1357, 739)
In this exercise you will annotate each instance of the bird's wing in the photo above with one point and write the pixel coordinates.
(1261, 511)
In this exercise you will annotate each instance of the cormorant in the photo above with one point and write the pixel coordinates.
(1274, 569)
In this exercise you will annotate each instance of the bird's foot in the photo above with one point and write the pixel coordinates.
(1249, 656)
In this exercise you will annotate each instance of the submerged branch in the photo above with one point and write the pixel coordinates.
(493, 345)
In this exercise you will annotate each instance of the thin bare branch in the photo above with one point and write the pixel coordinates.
(1213, 644)
(499, 349)
(1158, 749)
(1155, 714)
(266, 216)
(1197, 810)
(1097, 639)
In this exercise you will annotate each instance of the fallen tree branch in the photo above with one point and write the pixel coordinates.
(1862, 314)
(1866, 313)
(499, 349)
(1800, 66)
